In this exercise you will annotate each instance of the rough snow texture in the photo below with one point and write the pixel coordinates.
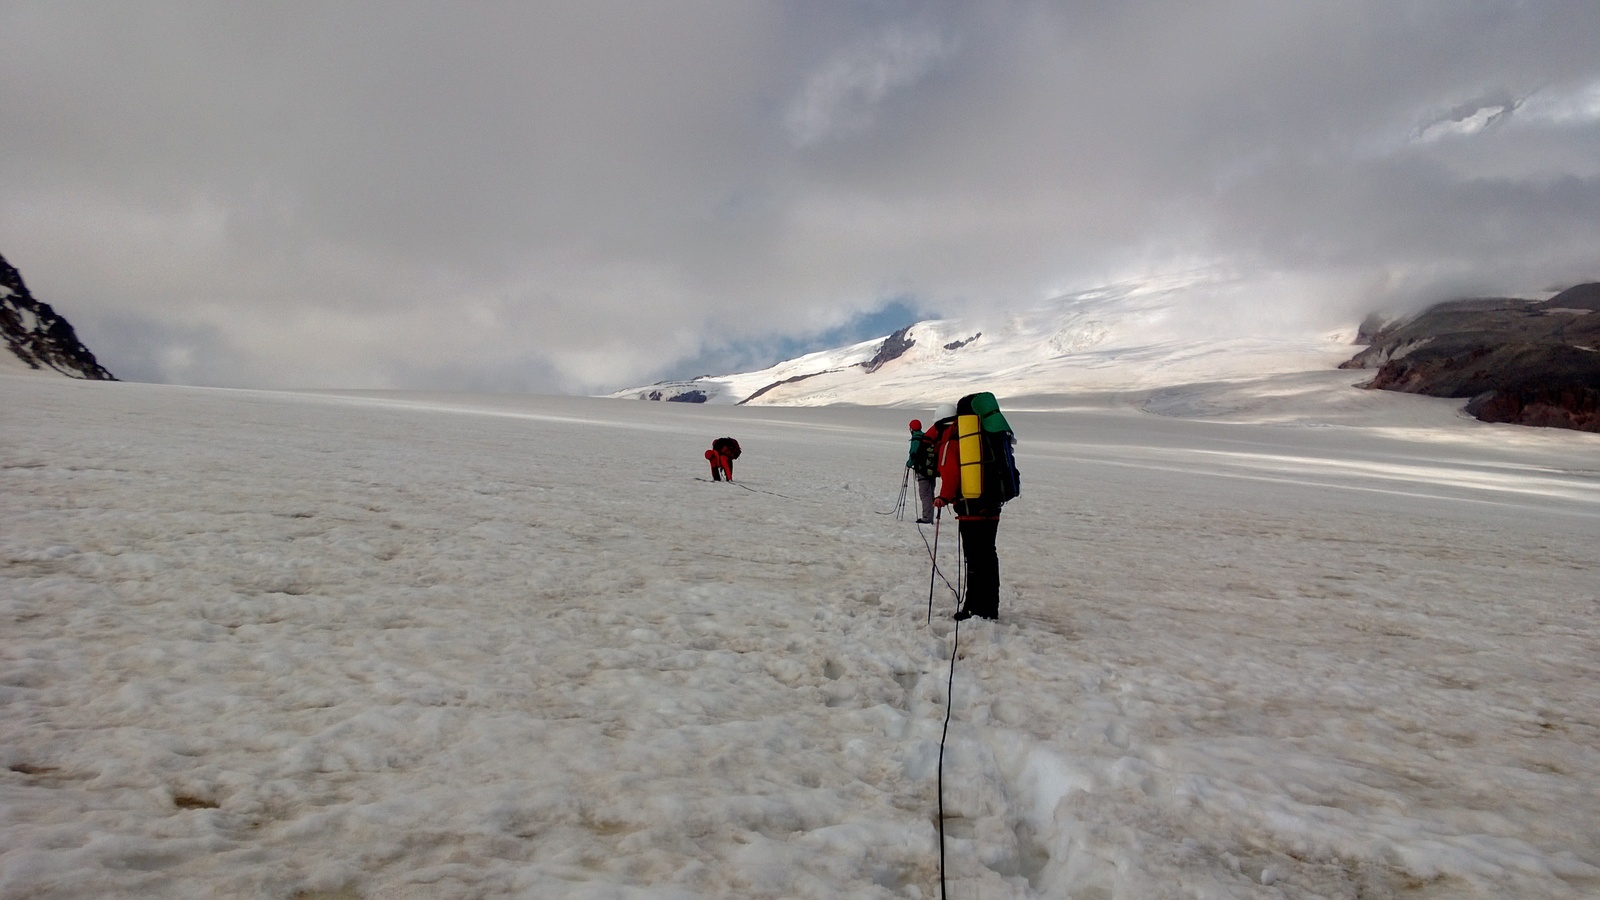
(276, 645)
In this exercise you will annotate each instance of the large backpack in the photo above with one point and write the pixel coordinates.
(989, 475)
(923, 460)
(727, 446)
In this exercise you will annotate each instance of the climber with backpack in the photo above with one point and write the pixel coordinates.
(924, 466)
(724, 450)
(977, 474)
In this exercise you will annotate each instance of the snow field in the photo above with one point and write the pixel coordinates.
(1130, 336)
(286, 645)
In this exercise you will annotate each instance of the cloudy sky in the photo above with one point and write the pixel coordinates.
(585, 195)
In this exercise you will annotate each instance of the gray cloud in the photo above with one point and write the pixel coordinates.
(572, 196)
(842, 97)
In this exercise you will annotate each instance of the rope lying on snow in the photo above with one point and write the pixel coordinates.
(949, 703)
(955, 646)
(748, 488)
(950, 685)
(760, 491)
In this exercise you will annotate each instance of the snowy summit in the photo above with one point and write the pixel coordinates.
(1125, 337)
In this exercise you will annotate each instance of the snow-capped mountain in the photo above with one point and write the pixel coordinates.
(1125, 337)
(38, 336)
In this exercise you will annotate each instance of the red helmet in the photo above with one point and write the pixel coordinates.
(916, 424)
(711, 454)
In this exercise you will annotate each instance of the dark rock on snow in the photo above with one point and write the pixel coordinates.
(1524, 362)
(38, 335)
(790, 380)
(894, 346)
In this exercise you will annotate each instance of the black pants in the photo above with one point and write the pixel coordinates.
(983, 567)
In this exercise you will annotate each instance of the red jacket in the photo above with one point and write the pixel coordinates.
(946, 450)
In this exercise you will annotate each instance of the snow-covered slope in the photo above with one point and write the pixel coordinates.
(1127, 337)
(276, 645)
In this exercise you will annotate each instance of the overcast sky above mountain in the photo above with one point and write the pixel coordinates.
(576, 196)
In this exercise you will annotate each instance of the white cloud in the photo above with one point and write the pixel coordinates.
(575, 194)
(1468, 118)
(1569, 106)
(843, 95)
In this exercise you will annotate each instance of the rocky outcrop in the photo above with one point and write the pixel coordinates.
(679, 394)
(38, 335)
(696, 390)
(894, 346)
(792, 380)
(1524, 362)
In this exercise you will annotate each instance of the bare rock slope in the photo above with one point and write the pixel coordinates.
(1525, 362)
(38, 335)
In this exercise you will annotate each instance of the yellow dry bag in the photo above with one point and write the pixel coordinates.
(969, 430)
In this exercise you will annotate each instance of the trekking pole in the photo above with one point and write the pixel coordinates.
(938, 513)
(962, 583)
(900, 502)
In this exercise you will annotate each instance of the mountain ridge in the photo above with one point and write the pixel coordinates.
(1523, 362)
(1132, 336)
(39, 336)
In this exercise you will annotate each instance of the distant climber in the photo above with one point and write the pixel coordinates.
(924, 466)
(724, 450)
